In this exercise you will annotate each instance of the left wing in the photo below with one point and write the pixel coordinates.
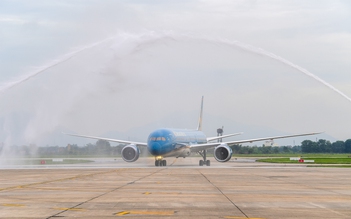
(200, 147)
(110, 139)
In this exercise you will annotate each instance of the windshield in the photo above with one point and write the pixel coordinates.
(157, 139)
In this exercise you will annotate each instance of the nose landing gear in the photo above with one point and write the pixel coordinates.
(204, 161)
(160, 162)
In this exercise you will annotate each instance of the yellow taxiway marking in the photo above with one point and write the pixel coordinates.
(164, 213)
(235, 217)
(13, 205)
(147, 193)
(122, 213)
(70, 209)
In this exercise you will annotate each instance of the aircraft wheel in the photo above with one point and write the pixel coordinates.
(161, 163)
(201, 162)
(164, 162)
(157, 163)
(208, 162)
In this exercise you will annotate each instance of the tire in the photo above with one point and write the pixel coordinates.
(164, 163)
(201, 163)
(157, 163)
(208, 162)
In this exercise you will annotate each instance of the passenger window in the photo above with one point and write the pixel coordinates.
(158, 139)
(163, 139)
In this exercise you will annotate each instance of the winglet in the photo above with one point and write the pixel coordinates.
(199, 127)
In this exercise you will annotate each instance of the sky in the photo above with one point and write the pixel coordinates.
(120, 69)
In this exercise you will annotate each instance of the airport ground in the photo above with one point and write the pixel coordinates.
(111, 188)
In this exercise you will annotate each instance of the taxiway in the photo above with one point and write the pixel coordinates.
(110, 188)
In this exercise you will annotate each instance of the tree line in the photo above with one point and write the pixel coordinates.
(100, 148)
(324, 146)
(307, 146)
(239, 149)
(103, 148)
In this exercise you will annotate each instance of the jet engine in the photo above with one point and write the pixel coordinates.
(130, 153)
(223, 153)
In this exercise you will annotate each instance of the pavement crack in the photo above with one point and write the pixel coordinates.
(175, 159)
(105, 193)
(224, 194)
(52, 181)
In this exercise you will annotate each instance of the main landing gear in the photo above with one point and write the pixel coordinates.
(160, 162)
(204, 161)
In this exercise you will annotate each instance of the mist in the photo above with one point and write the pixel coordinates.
(134, 80)
(120, 79)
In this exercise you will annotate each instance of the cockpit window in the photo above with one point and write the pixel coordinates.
(157, 139)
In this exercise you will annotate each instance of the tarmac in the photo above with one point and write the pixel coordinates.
(112, 188)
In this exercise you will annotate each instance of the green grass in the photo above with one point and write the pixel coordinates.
(317, 160)
(295, 155)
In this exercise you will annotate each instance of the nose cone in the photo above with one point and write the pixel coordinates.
(155, 148)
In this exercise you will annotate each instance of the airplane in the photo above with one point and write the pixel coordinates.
(169, 142)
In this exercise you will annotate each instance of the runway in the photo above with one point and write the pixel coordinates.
(111, 188)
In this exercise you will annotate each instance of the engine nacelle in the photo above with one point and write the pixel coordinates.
(223, 153)
(130, 153)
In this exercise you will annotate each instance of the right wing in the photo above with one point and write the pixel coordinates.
(223, 136)
(200, 147)
(110, 139)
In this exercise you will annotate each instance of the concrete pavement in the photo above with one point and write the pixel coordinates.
(181, 190)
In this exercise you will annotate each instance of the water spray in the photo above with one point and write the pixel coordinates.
(153, 37)
(124, 45)
(14, 82)
(260, 51)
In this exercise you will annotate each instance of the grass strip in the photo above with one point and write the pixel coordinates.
(317, 160)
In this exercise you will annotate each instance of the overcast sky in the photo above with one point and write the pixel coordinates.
(125, 67)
